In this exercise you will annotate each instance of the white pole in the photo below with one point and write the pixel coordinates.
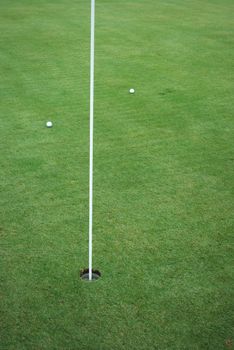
(91, 137)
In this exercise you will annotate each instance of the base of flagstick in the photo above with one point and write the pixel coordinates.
(84, 275)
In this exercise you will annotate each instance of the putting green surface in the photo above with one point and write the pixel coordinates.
(163, 175)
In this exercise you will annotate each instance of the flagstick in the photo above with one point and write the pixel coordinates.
(91, 137)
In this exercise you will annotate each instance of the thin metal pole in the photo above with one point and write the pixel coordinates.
(91, 138)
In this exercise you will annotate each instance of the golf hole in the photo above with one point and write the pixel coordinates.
(84, 275)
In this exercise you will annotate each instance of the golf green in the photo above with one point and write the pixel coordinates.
(163, 175)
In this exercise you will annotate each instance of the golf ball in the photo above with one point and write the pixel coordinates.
(131, 91)
(49, 124)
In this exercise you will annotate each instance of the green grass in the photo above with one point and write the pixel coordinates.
(163, 177)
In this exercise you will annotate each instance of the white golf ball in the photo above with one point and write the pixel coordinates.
(49, 124)
(131, 91)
